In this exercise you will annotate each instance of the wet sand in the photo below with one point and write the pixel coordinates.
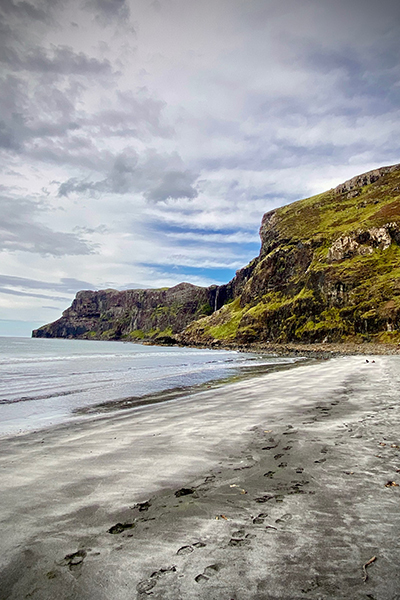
(281, 487)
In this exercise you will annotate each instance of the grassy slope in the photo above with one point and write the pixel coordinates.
(346, 300)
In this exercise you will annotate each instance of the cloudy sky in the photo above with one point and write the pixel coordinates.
(141, 141)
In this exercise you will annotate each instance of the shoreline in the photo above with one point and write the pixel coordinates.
(315, 350)
(290, 349)
(234, 368)
(286, 500)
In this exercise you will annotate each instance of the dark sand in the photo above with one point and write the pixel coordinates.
(291, 507)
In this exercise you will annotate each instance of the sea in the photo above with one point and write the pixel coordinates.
(47, 382)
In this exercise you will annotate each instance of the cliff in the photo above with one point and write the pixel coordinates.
(328, 270)
(132, 314)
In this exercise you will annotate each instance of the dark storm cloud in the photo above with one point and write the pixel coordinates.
(372, 77)
(108, 9)
(138, 115)
(59, 60)
(27, 10)
(174, 184)
(12, 121)
(50, 114)
(41, 86)
(20, 231)
(158, 177)
(46, 113)
(19, 50)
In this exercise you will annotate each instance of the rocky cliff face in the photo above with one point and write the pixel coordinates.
(133, 314)
(328, 269)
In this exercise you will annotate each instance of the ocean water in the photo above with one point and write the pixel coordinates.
(44, 382)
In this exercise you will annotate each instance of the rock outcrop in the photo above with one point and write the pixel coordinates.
(328, 270)
(363, 242)
(352, 187)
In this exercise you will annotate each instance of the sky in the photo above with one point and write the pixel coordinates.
(142, 141)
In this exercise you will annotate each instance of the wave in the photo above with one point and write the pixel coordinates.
(82, 356)
(41, 397)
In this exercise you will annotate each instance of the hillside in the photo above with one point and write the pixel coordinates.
(328, 270)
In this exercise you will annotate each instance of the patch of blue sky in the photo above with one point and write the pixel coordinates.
(214, 275)
(247, 242)
(166, 228)
(241, 250)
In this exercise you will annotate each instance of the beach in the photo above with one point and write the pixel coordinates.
(284, 486)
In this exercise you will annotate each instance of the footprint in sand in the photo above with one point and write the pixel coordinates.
(209, 571)
(239, 534)
(240, 539)
(209, 479)
(269, 474)
(120, 527)
(297, 487)
(184, 492)
(146, 585)
(284, 518)
(74, 561)
(266, 498)
(185, 550)
(259, 520)
(189, 549)
(239, 542)
(143, 506)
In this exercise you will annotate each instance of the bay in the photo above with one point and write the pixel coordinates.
(44, 382)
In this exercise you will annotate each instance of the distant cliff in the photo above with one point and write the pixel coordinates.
(132, 314)
(328, 270)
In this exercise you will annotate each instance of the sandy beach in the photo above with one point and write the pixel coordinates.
(280, 487)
